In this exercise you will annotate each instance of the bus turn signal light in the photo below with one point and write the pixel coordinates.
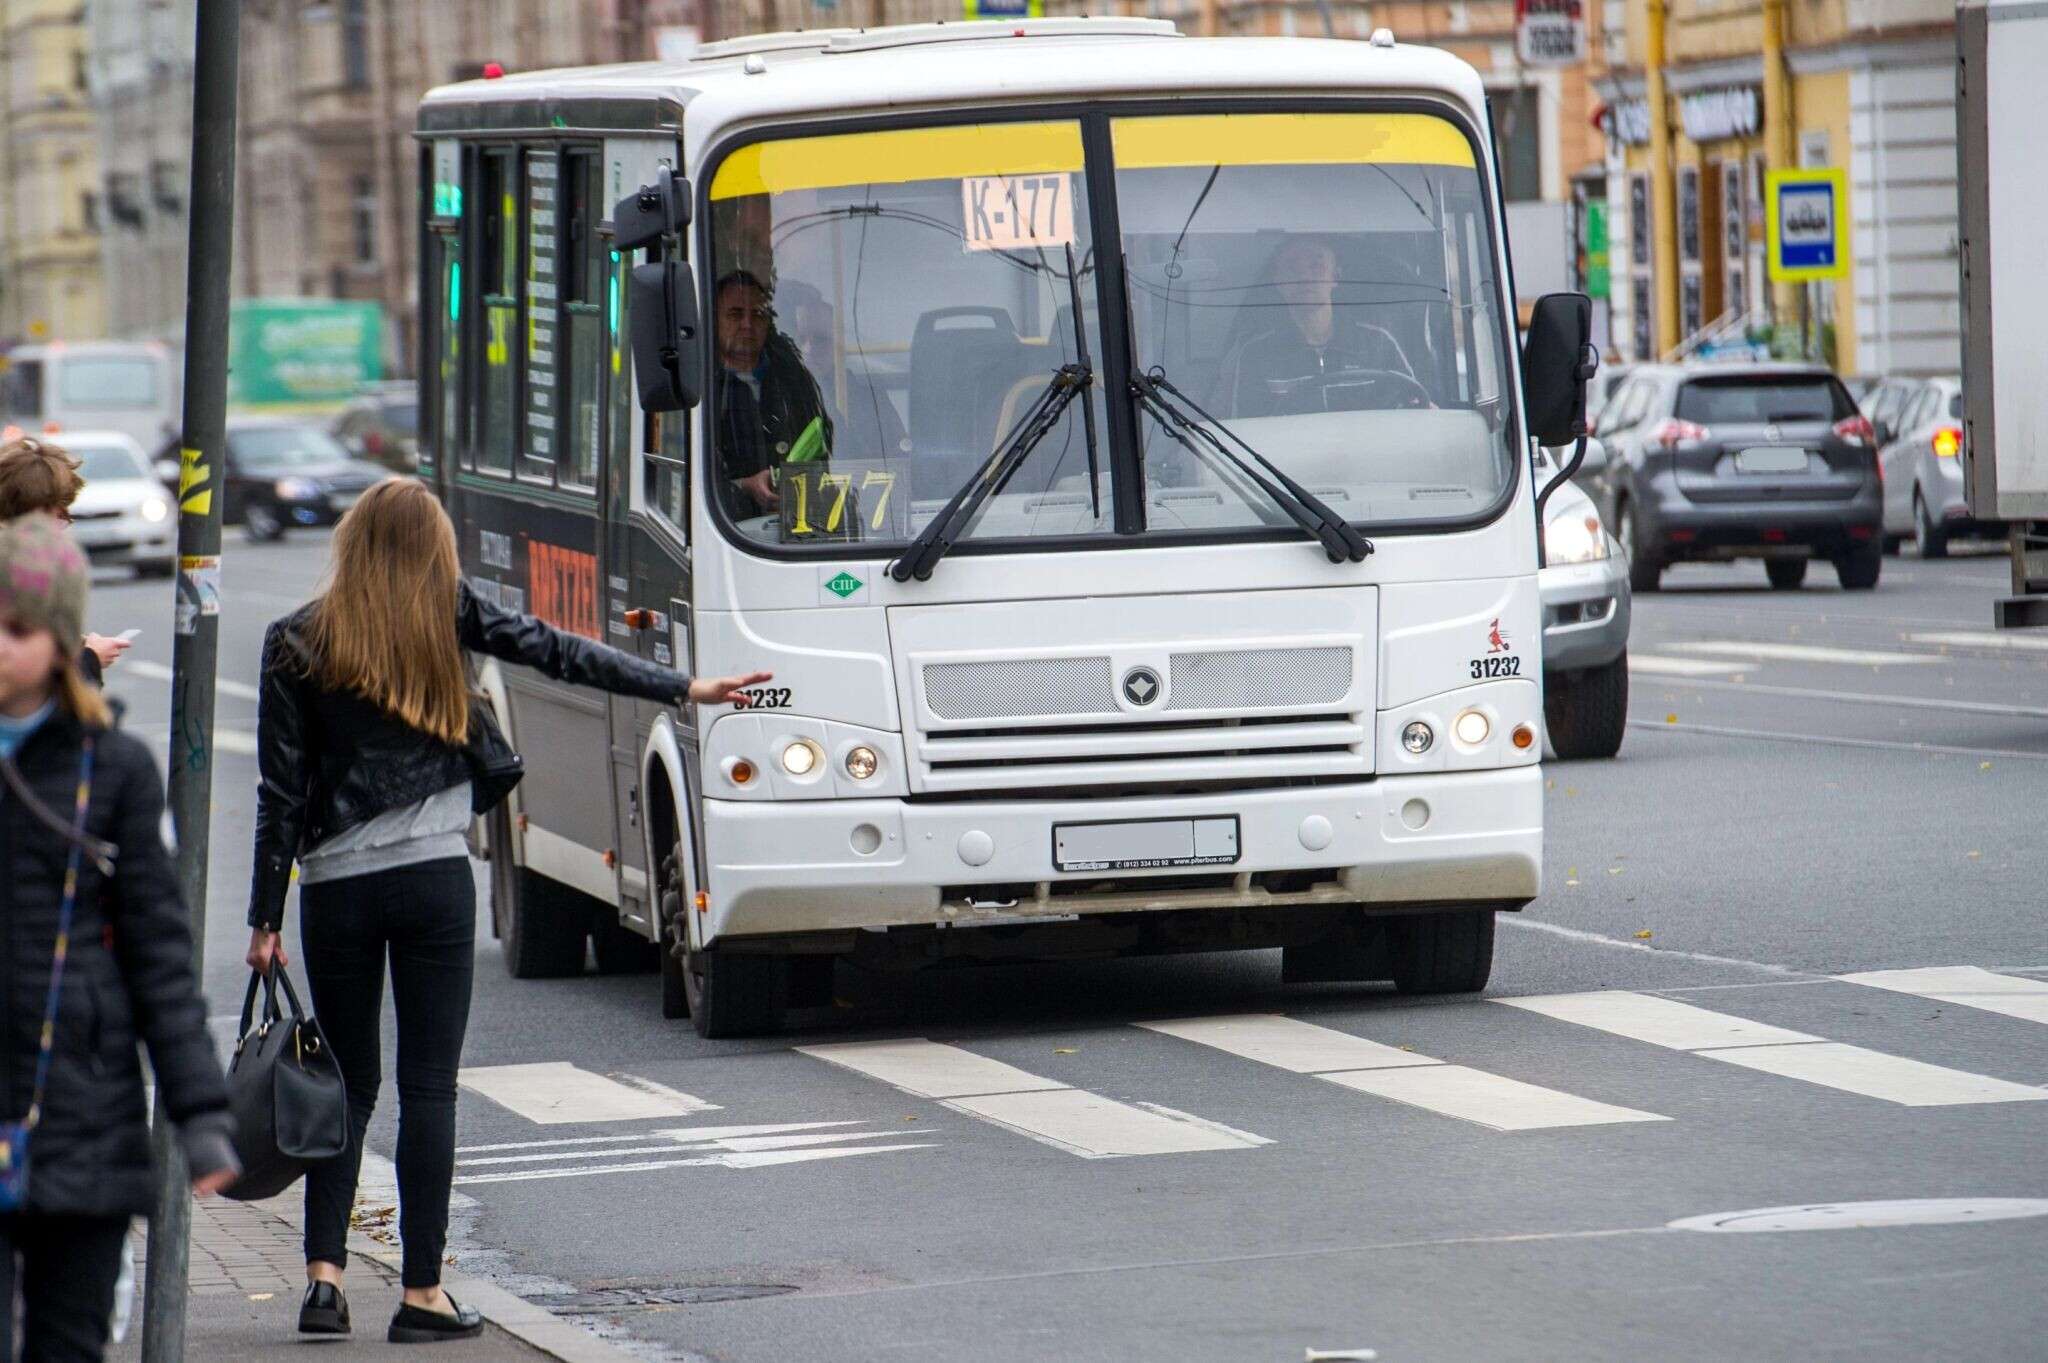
(1523, 737)
(741, 772)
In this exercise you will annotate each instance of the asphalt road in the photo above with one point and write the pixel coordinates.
(1815, 784)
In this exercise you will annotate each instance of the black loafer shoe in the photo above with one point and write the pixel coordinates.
(416, 1325)
(324, 1311)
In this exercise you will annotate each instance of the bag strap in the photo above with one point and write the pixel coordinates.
(63, 948)
(268, 983)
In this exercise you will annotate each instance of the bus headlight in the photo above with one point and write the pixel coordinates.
(1471, 728)
(862, 763)
(801, 758)
(1574, 537)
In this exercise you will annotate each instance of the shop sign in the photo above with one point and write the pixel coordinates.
(1598, 283)
(1550, 32)
(1718, 115)
(1629, 122)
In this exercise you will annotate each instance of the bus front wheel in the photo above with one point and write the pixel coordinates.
(731, 994)
(1448, 952)
(542, 931)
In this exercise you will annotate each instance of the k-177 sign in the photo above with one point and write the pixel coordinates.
(1550, 32)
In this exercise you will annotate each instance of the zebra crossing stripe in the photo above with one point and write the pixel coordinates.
(1365, 1066)
(1775, 1050)
(1070, 1119)
(1968, 986)
(1803, 653)
(554, 1092)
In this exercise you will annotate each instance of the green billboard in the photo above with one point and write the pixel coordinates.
(288, 351)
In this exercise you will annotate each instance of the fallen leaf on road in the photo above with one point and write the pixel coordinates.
(1614, 870)
(1407, 1048)
(1983, 766)
(1571, 882)
(1975, 855)
(1671, 719)
(261, 1296)
(1643, 935)
(1063, 1050)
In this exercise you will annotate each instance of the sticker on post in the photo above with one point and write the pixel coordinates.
(1017, 212)
(198, 591)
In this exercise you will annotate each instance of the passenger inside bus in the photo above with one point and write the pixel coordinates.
(769, 406)
(1316, 355)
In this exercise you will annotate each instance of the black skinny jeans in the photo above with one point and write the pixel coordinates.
(68, 1266)
(424, 918)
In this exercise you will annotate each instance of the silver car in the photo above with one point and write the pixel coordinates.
(1585, 592)
(1923, 453)
(122, 517)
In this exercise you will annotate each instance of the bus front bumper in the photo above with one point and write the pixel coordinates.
(798, 867)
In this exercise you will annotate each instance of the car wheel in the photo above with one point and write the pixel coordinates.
(541, 926)
(1586, 712)
(1450, 952)
(1785, 573)
(730, 994)
(1929, 539)
(1644, 572)
(262, 524)
(1859, 568)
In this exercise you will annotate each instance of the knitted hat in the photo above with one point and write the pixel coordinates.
(43, 577)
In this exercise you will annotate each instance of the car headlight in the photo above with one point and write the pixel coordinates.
(1574, 537)
(155, 508)
(297, 489)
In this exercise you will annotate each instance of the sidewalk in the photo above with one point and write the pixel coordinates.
(247, 1274)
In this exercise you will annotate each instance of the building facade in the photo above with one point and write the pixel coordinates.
(140, 81)
(1872, 91)
(50, 211)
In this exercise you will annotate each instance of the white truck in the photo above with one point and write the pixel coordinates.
(2001, 50)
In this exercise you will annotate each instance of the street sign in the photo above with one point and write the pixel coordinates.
(1003, 9)
(1550, 32)
(1806, 225)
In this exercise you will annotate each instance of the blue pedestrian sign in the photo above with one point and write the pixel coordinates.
(1806, 225)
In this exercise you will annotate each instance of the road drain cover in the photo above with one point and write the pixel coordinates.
(606, 1300)
(1925, 1211)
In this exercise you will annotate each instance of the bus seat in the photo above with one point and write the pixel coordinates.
(963, 361)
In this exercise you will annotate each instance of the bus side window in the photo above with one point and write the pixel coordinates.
(498, 281)
(583, 277)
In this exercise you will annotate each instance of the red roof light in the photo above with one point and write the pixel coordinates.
(493, 70)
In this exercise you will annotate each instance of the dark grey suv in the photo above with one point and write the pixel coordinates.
(1724, 461)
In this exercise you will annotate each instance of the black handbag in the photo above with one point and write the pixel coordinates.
(285, 1090)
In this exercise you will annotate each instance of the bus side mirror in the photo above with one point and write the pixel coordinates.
(650, 213)
(666, 349)
(1558, 361)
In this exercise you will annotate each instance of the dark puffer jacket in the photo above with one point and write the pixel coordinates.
(330, 760)
(128, 977)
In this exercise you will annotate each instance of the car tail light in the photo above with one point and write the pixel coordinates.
(1674, 432)
(1857, 430)
(1948, 442)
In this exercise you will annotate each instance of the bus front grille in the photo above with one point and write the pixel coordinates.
(1137, 755)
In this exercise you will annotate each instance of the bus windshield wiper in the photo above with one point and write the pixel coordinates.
(1068, 382)
(1197, 433)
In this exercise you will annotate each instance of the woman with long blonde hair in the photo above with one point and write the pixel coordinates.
(374, 757)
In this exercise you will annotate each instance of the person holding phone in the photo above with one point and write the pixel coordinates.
(36, 475)
(90, 917)
(373, 757)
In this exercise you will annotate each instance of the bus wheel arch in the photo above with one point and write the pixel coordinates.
(670, 861)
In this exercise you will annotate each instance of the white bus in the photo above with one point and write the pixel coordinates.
(125, 386)
(1114, 443)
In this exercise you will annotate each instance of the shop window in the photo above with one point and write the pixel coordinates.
(1639, 219)
(1640, 318)
(1689, 214)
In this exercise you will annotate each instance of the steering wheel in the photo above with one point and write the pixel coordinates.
(1413, 394)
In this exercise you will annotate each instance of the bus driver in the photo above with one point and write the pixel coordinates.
(769, 407)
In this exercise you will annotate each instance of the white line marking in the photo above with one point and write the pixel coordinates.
(734, 1161)
(1827, 741)
(1803, 653)
(734, 1143)
(681, 1134)
(554, 1092)
(142, 667)
(1522, 920)
(1654, 665)
(1965, 985)
(1389, 1072)
(1895, 1079)
(2015, 639)
(1069, 1119)
(1660, 1022)
(1967, 707)
(1775, 1050)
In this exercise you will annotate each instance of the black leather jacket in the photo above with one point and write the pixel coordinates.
(329, 760)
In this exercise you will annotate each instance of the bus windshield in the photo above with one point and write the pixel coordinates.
(107, 382)
(889, 306)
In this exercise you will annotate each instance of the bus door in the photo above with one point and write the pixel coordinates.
(644, 544)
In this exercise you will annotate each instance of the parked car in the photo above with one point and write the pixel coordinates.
(1606, 382)
(383, 426)
(1923, 472)
(1737, 461)
(283, 473)
(1585, 592)
(123, 514)
(1883, 400)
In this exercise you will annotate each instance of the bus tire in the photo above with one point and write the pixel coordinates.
(541, 930)
(675, 994)
(1448, 952)
(1586, 712)
(619, 950)
(731, 994)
